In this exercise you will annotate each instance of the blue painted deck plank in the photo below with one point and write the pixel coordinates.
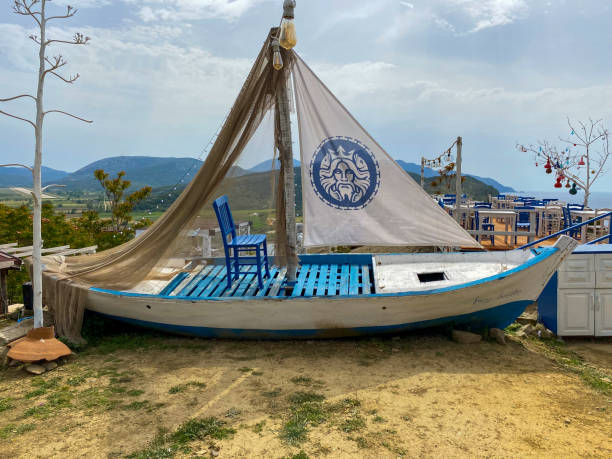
(311, 282)
(299, 286)
(236, 283)
(322, 284)
(267, 282)
(194, 282)
(332, 283)
(214, 272)
(176, 280)
(365, 280)
(354, 280)
(278, 282)
(221, 276)
(344, 280)
(244, 284)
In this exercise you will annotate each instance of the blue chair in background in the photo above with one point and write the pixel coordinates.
(567, 222)
(239, 244)
(523, 220)
(486, 224)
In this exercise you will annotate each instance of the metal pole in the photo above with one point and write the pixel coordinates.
(286, 157)
(458, 189)
(422, 172)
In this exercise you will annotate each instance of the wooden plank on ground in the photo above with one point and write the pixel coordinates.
(13, 332)
(322, 284)
(333, 280)
(344, 280)
(278, 282)
(311, 282)
(267, 282)
(7, 246)
(299, 285)
(205, 282)
(365, 279)
(354, 280)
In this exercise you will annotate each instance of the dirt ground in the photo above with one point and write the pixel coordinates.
(418, 395)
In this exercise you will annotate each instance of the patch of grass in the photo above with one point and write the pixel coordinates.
(5, 404)
(201, 429)
(513, 328)
(12, 430)
(60, 399)
(574, 363)
(40, 411)
(137, 405)
(300, 455)
(134, 392)
(273, 393)
(96, 397)
(306, 410)
(379, 419)
(42, 386)
(76, 380)
(177, 389)
(353, 424)
(118, 389)
(258, 428)
(183, 387)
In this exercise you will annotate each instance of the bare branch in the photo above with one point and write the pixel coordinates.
(56, 62)
(17, 97)
(35, 39)
(78, 39)
(24, 8)
(17, 165)
(18, 118)
(70, 11)
(68, 114)
(69, 80)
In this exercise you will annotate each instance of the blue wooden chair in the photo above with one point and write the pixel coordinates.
(486, 224)
(567, 222)
(240, 244)
(523, 220)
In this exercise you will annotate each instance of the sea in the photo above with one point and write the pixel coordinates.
(597, 199)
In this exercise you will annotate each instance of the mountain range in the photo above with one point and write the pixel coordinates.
(159, 172)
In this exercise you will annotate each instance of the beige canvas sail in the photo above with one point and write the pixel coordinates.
(354, 193)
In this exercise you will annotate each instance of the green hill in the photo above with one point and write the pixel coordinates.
(254, 191)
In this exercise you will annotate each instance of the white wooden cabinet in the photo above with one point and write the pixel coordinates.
(584, 294)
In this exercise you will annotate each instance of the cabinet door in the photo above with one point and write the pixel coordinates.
(603, 266)
(575, 314)
(603, 312)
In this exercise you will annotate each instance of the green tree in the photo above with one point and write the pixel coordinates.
(121, 205)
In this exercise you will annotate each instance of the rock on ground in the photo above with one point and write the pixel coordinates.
(49, 365)
(35, 369)
(498, 335)
(463, 337)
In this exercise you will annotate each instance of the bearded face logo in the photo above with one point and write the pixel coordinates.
(344, 173)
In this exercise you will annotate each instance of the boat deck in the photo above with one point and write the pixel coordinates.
(210, 281)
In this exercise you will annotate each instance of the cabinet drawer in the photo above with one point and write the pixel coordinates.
(576, 279)
(603, 266)
(580, 263)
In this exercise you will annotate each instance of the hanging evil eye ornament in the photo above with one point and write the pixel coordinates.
(567, 184)
(558, 184)
(573, 189)
(572, 133)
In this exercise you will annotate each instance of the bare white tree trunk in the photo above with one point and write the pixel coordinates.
(37, 185)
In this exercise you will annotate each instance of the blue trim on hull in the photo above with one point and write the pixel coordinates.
(497, 317)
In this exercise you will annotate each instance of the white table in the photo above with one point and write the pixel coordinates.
(585, 215)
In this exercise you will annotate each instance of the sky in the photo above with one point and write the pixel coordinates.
(159, 76)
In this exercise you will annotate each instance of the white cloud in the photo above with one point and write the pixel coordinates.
(186, 10)
(492, 13)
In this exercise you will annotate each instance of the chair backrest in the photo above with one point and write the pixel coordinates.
(575, 207)
(224, 217)
(567, 221)
(482, 205)
(523, 217)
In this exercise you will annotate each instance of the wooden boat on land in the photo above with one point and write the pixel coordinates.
(343, 295)
(354, 194)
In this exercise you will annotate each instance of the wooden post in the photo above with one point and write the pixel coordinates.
(422, 172)
(3, 292)
(286, 157)
(458, 188)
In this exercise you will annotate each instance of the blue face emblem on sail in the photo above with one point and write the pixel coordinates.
(344, 173)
